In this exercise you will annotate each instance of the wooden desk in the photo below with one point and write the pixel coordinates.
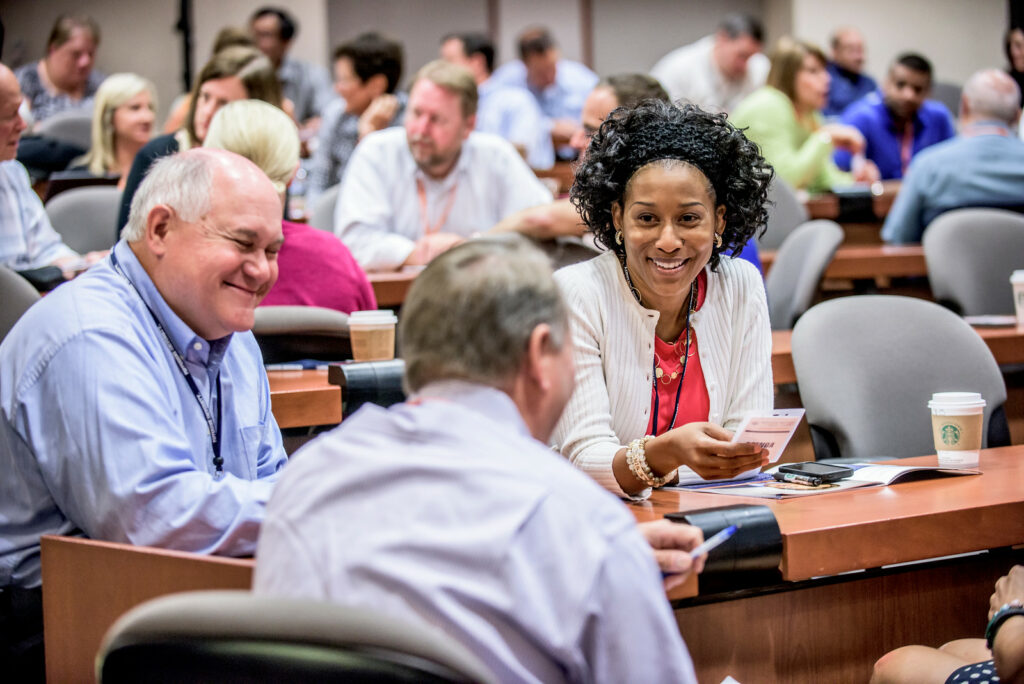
(856, 262)
(1005, 342)
(391, 287)
(826, 205)
(833, 629)
(791, 633)
(89, 584)
(304, 398)
(562, 172)
(858, 229)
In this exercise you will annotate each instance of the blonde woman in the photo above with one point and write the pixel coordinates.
(315, 268)
(124, 112)
(784, 118)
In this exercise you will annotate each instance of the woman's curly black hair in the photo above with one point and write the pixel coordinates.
(629, 139)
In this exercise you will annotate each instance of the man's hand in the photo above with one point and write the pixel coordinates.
(378, 115)
(672, 543)
(429, 246)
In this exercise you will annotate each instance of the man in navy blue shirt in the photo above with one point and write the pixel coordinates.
(898, 121)
(849, 82)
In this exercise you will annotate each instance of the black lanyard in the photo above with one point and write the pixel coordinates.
(218, 462)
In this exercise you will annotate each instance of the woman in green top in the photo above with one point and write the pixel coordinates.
(784, 118)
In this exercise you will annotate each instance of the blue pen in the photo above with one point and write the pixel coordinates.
(714, 542)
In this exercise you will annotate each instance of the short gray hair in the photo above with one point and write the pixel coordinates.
(183, 182)
(992, 94)
(470, 313)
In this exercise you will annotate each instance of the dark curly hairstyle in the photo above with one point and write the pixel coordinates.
(629, 139)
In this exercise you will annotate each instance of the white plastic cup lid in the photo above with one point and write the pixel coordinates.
(378, 317)
(1017, 277)
(956, 400)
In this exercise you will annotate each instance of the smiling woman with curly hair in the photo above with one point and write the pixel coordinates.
(672, 335)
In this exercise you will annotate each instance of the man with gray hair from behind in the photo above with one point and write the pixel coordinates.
(471, 524)
(982, 167)
(133, 402)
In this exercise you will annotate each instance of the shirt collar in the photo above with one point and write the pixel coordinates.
(191, 346)
(462, 166)
(987, 127)
(488, 401)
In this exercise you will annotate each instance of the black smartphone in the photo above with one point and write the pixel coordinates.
(824, 472)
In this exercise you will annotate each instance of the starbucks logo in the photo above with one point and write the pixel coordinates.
(950, 435)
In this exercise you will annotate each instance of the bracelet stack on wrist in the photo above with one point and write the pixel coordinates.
(636, 459)
(1006, 611)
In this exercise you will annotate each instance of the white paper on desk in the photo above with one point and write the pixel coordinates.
(771, 431)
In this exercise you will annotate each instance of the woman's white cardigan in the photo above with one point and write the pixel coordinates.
(614, 355)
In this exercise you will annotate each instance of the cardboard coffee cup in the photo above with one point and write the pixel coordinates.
(957, 419)
(372, 334)
(1017, 281)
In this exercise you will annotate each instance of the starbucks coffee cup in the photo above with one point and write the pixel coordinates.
(957, 419)
(1017, 281)
(372, 334)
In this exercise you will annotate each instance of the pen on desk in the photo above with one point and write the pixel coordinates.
(714, 541)
(798, 479)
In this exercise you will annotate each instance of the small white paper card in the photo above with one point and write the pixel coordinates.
(772, 431)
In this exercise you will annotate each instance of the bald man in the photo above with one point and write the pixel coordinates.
(981, 167)
(134, 403)
(849, 82)
(27, 240)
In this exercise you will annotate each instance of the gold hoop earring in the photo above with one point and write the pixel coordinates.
(618, 237)
(718, 240)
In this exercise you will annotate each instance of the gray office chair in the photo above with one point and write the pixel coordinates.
(971, 254)
(16, 296)
(237, 636)
(785, 213)
(73, 127)
(797, 270)
(949, 95)
(323, 209)
(86, 218)
(868, 365)
(290, 333)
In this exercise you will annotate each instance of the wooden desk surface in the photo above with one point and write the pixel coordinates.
(876, 526)
(89, 584)
(856, 262)
(391, 287)
(826, 205)
(1005, 342)
(302, 398)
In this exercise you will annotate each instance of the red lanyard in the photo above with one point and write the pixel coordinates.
(424, 219)
(907, 148)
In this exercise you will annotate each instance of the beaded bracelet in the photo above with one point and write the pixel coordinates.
(1005, 612)
(636, 459)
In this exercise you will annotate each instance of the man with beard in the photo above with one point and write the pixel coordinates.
(409, 195)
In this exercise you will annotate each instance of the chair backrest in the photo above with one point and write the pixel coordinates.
(323, 209)
(290, 333)
(237, 636)
(86, 218)
(971, 254)
(72, 126)
(867, 366)
(785, 213)
(16, 296)
(796, 272)
(949, 95)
